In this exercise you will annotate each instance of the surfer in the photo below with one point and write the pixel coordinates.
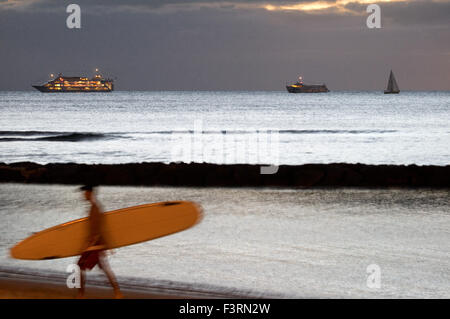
(94, 252)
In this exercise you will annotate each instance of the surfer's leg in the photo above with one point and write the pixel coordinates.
(103, 264)
(82, 284)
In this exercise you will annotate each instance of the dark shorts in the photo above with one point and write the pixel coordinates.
(90, 259)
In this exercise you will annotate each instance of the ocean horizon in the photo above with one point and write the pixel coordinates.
(226, 127)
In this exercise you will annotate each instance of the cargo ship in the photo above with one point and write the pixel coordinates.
(66, 84)
(300, 87)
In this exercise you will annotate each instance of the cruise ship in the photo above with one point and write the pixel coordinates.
(300, 87)
(65, 84)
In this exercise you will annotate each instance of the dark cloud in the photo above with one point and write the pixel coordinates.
(405, 13)
(410, 13)
(217, 48)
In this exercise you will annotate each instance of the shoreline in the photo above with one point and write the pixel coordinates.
(51, 285)
(232, 175)
(34, 289)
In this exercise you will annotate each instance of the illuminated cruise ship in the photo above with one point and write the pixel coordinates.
(64, 84)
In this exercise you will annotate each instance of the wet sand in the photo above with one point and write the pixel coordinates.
(23, 286)
(34, 289)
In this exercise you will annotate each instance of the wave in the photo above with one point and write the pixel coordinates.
(29, 133)
(54, 136)
(19, 136)
(308, 131)
(335, 131)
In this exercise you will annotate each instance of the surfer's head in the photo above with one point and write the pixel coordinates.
(88, 190)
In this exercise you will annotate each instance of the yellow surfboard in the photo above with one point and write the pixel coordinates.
(122, 227)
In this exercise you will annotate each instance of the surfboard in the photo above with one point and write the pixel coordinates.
(122, 227)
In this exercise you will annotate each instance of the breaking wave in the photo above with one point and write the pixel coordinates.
(52, 136)
(17, 136)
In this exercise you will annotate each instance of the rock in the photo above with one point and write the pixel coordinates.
(238, 175)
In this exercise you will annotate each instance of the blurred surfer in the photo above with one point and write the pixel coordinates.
(94, 252)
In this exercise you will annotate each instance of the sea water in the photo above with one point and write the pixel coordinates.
(226, 127)
(260, 242)
(294, 243)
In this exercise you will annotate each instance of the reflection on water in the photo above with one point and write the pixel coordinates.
(290, 242)
(123, 127)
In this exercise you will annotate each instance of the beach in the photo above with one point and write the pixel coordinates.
(27, 286)
(237, 175)
(32, 289)
(252, 242)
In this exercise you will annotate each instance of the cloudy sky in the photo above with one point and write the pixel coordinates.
(227, 45)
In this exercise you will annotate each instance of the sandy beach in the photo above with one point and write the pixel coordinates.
(237, 175)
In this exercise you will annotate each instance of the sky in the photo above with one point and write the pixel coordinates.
(227, 45)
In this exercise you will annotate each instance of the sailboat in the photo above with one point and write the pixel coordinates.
(392, 87)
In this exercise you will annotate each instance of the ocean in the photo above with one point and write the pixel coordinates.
(226, 127)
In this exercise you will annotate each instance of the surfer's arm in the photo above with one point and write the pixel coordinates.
(95, 229)
(90, 243)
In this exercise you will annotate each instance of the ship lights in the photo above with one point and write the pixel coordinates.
(77, 84)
